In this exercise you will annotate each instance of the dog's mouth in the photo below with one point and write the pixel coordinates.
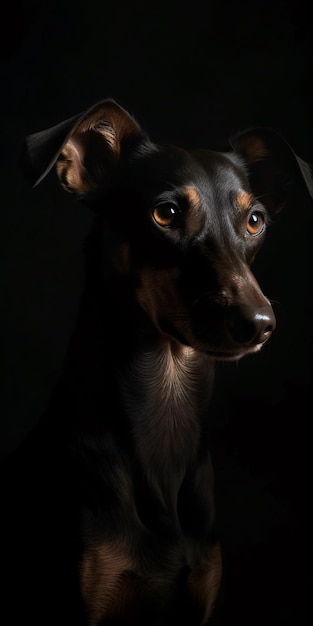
(233, 355)
(218, 353)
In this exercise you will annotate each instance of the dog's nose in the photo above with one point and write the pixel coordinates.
(250, 326)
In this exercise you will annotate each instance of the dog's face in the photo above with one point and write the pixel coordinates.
(187, 228)
(184, 226)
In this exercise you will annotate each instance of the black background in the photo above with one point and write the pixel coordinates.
(191, 73)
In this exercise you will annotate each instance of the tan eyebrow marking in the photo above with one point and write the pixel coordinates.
(243, 200)
(192, 196)
(195, 220)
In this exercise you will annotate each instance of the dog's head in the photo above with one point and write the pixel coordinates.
(184, 225)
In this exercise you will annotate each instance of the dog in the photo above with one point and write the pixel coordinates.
(169, 292)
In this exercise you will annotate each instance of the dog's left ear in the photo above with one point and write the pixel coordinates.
(273, 166)
(86, 149)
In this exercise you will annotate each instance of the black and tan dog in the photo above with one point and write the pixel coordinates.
(169, 291)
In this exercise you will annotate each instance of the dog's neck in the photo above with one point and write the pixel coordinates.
(162, 388)
(165, 390)
(166, 382)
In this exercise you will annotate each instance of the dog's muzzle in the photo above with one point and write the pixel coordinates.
(234, 327)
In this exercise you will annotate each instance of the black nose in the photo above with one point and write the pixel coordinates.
(250, 326)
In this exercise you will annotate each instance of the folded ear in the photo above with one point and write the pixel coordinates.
(85, 148)
(272, 165)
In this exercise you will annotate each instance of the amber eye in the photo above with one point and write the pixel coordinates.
(165, 214)
(255, 224)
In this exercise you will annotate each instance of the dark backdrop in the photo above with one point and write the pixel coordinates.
(191, 73)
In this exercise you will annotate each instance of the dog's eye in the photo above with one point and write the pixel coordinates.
(255, 224)
(165, 214)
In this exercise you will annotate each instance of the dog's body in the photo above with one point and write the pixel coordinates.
(169, 291)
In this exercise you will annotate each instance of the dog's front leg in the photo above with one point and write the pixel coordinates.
(197, 518)
(204, 582)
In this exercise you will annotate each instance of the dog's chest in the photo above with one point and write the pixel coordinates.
(165, 395)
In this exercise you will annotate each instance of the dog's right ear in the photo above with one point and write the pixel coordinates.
(273, 167)
(85, 149)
